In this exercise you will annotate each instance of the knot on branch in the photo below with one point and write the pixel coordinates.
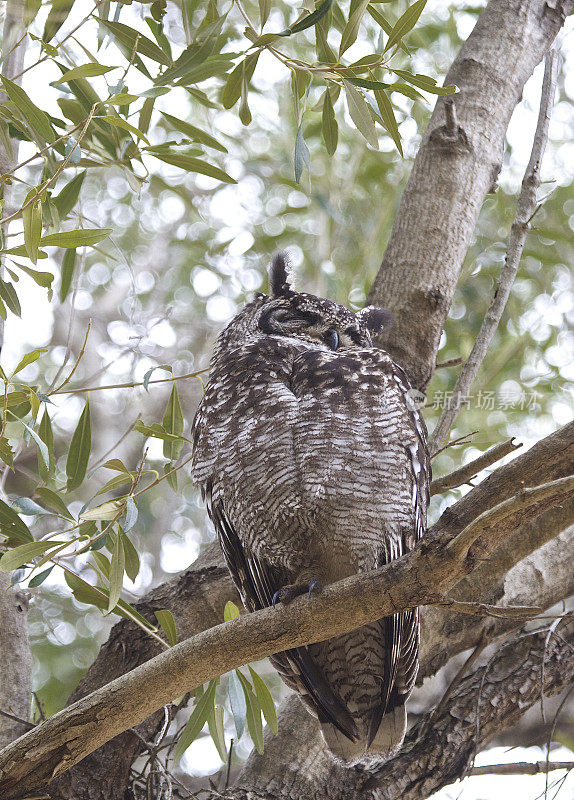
(451, 137)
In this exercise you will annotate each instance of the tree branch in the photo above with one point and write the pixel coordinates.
(422, 576)
(525, 209)
(465, 473)
(452, 174)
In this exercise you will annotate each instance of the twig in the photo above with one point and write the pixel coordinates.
(488, 610)
(79, 358)
(21, 721)
(468, 471)
(465, 439)
(130, 385)
(521, 768)
(450, 362)
(525, 208)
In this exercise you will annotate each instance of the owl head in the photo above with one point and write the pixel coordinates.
(285, 312)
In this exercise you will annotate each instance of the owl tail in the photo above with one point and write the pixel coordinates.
(386, 741)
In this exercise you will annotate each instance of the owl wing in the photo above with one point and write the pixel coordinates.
(257, 583)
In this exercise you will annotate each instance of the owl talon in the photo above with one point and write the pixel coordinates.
(293, 590)
(314, 586)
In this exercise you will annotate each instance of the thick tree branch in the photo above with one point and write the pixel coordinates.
(452, 174)
(421, 577)
(525, 210)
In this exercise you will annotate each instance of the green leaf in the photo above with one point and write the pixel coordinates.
(67, 272)
(67, 198)
(116, 464)
(194, 165)
(122, 99)
(59, 11)
(15, 558)
(360, 114)
(132, 559)
(349, 35)
(131, 39)
(388, 118)
(215, 724)
(29, 358)
(265, 700)
(35, 116)
(41, 278)
(384, 23)
(47, 436)
(32, 219)
(84, 71)
(106, 511)
(405, 23)
(244, 110)
(243, 71)
(131, 514)
(302, 158)
(53, 501)
(149, 373)
(26, 506)
(167, 622)
(81, 237)
(156, 431)
(9, 296)
(197, 720)
(12, 527)
(254, 723)
(115, 483)
(40, 577)
(424, 82)
(85, 593)
(170, 475)
(237, 702)
(264, 9)
(230, 611)
(145, 114)
(117, 569)
(79, 452)
(6, 452)
(329, 124)
(173, 423)
(41, 445)
(195, 134)
(120, 122)
(309, 20)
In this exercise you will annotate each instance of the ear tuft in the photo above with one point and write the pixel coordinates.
(278, 277)
(375, 319)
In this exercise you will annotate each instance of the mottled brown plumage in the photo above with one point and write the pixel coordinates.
(314, 464)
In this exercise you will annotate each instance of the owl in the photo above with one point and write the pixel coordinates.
(314, 465)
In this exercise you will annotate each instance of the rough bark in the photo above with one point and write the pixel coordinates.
(452, 174)
(15, 656)
(417, 578)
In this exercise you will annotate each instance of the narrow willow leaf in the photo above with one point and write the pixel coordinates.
(29, 358)
(32, 220)
(170, 475)
(85, 593)
(215, 724)
(12, 527)
(191, 164)
(132, 39)
(309, 20)
(405, 23)
(117, 569)
(47, 436)
(230, 611)
(115, 483)
(167, 622)
(67, 272)
(360, 114)
(265, 700)
(349, 35)
(156, 430)
(40, 577)
(35, 116)
(254, 723)
(106, 511)
(237, 702)
(145, 114)
(132, 559)
(9, 296)
(66, 200)
(116, 464)
(195, 134)
(264, 9)
(424, 82)
(59, 11)
(41, 278)
(302, 158)
(120, 122)
(173, 423)
(131, 514)
(53, 501)
(81, 237)
(79, 452)
(244, 110)
(15, 558)
(102, 563)
(232, 89)
(388, 118)
(329, 124)
(26, 506)
(408, 91)
(149, 373)
(85, 71)
(384, 23)
(197, 720)
(6, 454)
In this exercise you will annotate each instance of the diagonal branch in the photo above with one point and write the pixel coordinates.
(525, 209)
(421, 577)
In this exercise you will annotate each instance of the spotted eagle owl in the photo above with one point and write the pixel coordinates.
(314, 465)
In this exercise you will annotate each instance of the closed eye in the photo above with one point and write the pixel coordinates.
(331, 338)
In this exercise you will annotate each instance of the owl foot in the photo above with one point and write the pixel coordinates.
(293, 590)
